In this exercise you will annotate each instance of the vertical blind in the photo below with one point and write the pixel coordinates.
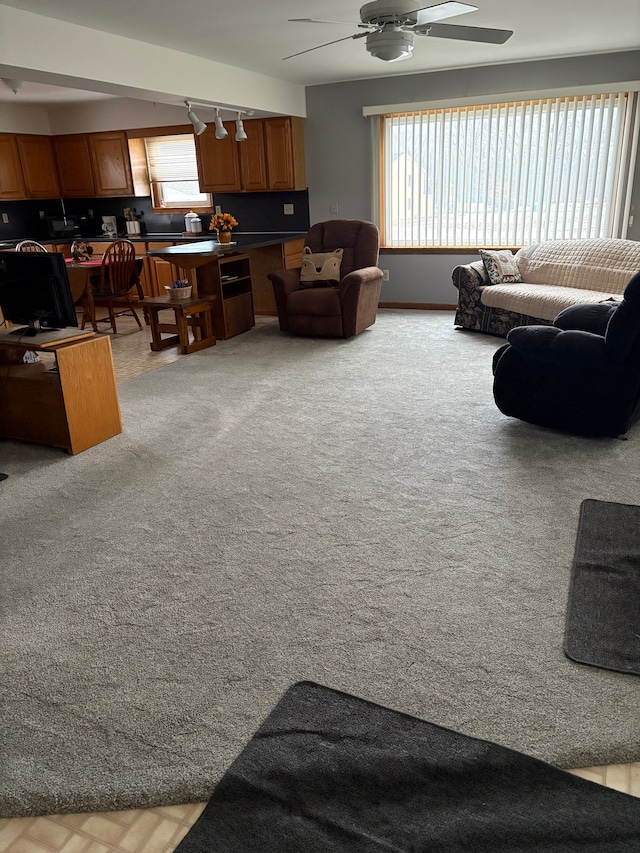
(507, 174)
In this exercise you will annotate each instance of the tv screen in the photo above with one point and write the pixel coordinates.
(35, 292)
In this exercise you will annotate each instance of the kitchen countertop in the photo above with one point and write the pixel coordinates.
(242, 241)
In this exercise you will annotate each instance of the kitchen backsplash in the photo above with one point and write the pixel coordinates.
(254, 212)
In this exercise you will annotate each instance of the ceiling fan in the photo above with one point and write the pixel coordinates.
(390, 30)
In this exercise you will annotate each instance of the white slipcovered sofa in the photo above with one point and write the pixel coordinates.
(555, 274)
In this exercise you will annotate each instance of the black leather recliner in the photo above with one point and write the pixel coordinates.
(581, 375)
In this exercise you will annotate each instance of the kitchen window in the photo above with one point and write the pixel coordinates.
(173, 174)
(508, 174)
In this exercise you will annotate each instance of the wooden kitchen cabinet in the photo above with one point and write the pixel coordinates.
(266, 259)
(11, 179)
(271, 158)
(74, 165)
(110, 164)
(218, 161)
(284, 144)
(160, 273)
(38, 166)
(253, 160)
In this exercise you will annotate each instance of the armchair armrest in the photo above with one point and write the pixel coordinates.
(554, 346)
(284, 282)
(366, 275)
(591, 317)
(470, 276)
(359, 294)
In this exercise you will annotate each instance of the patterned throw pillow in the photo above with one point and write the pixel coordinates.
(501, 266)
(321, 269)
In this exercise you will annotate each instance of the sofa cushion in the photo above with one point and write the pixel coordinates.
(500, 265)
(545, 301)
(604, 265)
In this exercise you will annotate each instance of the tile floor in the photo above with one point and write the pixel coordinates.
(160, 830)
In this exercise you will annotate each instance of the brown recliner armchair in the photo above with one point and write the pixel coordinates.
(350, 306)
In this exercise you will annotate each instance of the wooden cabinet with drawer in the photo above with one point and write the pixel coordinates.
(266, 259)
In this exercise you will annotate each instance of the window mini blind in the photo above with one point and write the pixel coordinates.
(507, 174)
(171, 158)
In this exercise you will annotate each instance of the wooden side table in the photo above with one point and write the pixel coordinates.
(194, 314)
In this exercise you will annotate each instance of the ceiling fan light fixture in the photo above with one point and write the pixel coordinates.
(221, 130)
(390, 45)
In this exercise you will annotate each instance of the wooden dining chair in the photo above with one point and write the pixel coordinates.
(30, 246)
(118, 277)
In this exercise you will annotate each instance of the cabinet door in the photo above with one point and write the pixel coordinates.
(285, 153)
(74, 165)
(110, 162)
(11, 181)
(218, 161)
(253, 163)
(38, 166)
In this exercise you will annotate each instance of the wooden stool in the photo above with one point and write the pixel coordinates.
(188, 313)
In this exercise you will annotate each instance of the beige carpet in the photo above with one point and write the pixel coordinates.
(357, 512)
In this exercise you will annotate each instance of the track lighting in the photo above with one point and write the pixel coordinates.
(240, 131)
(198, 125)
(221, 130)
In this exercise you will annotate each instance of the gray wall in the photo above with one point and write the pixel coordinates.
(338, 146)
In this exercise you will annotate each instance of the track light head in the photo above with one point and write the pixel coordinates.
(241, 134)
(221, 130)
(198, 125)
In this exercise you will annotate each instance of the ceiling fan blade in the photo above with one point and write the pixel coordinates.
(453, 31)
(441, 11)
(314, 21)
(326, 44)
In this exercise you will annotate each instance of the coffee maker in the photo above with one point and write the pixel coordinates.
(109, 227)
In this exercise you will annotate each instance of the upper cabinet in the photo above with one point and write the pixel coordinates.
(271, 158)
(284, 143)
(93, 164)
(11, 181)
(27, 167)
(74, 165)
(110, 162)
(80, 165)
(218, 161)
(38, 166)
(253, 163)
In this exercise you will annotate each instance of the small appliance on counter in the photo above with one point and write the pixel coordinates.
(109, 227)
(62, 226)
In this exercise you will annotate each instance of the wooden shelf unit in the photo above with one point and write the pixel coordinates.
(236, 297)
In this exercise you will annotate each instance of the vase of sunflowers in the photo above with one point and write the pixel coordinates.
(223, 224)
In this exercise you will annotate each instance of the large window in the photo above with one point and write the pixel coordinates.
(173, 173)
(507, 174)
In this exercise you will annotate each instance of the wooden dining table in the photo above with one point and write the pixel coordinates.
(84, 275)
(80, 275)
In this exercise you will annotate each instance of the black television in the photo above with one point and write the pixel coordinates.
(35, 292)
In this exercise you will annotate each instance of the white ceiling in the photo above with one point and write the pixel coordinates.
(255, 35)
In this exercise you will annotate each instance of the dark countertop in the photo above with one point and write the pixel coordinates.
(242, 241)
